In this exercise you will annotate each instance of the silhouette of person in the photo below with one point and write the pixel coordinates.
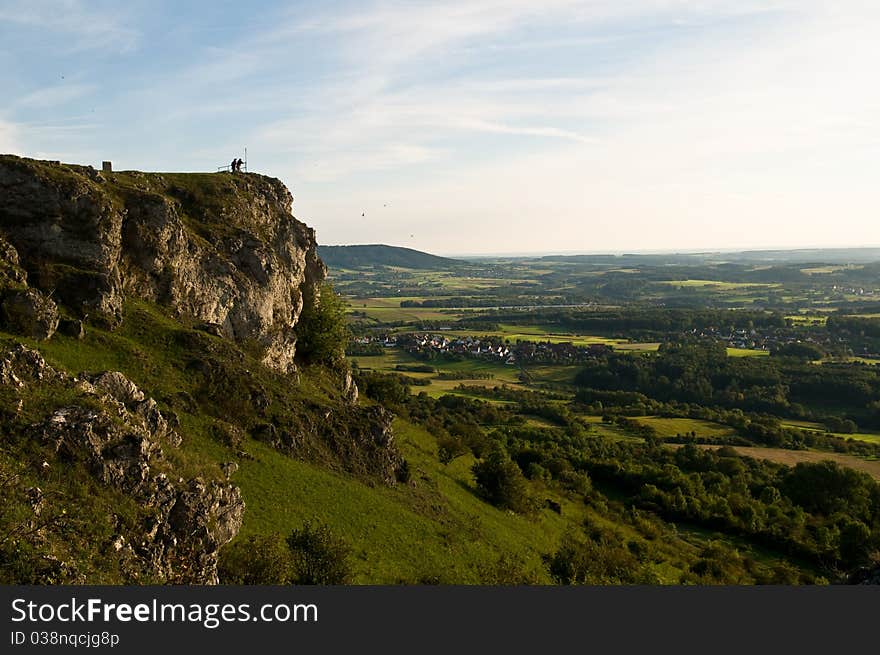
(240, 162)
(234, 165)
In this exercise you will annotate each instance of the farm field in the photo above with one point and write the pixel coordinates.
(807, 319)
(746, 352)
(794, 457)
(871, 437)
(501, 374)
(871, 361)
(406, 314)
(717, 284)
(514, 333)
(607, 430)
(825, 270)
(391, 301)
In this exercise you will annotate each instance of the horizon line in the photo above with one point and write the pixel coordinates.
(616, 252)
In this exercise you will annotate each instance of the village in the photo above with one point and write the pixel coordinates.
(430, 345)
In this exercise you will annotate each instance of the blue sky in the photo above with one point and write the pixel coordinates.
(479, 126)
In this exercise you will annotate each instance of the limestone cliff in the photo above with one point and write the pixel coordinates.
(136, 310)
(223, 249)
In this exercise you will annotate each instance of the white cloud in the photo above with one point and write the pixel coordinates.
(82, 27)
(54, 96)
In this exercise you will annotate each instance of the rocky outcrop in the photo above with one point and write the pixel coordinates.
(22, 310)
(22, 366)
(118, 434)
(224, 249)
(11, 272)
(350, 388)
(29, 312)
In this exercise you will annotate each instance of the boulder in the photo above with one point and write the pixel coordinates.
(71, 327)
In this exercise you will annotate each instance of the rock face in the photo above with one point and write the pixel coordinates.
(224, 249)
(118, 434)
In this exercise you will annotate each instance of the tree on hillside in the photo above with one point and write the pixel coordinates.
(322, 334)
(501, 482)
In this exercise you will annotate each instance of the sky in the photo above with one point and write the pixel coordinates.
(478, 126)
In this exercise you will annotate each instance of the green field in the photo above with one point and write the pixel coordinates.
(864, 360)
(746, 352)
(500, 373)
(824, 270)
(608, 430)
(717, 284)
(807, 319)
(514, 333)
(670, 427)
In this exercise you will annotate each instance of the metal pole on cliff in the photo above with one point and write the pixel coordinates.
(245, 159)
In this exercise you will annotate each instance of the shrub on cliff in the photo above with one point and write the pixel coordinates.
(319, 556)
(322, 334)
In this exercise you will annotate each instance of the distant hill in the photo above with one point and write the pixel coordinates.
(794, 256)
(381, 255)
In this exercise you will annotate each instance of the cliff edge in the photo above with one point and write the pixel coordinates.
(224, 249)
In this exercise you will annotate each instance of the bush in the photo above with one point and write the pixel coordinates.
(310, 555)
(319, 557)
(502, 483)
(599, 559)
(507, 570)
(257, 560)
(403, 474)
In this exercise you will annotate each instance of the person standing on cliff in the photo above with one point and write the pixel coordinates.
(233, 166)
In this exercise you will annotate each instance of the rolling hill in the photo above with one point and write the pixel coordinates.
(381, 255)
